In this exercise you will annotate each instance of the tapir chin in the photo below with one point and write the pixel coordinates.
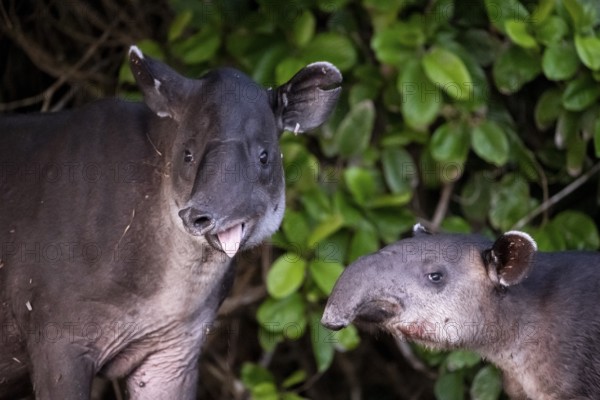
(119, 222)
(533, 314)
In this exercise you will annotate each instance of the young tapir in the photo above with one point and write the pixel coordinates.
(119, 221)
(533, 314)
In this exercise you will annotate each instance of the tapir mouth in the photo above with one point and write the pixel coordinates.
(228, 240)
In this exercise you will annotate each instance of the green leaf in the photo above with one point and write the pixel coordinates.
(490, 143)
(286, 275)
(549, 238)
(460, 359)
(515, 67)
(280, 315)
(264, 67)
(323, 349)
(342, 204)
(363, 242)
(510, 202)
(517, 31)
(360, 183)
(388, 48)
(476, 196)
(542, 11)
(199, 47)
(548, 108)
(552, 30)
(295, 227)
(580, 93)
(579, 230)
(421, 99)
(317, 204)
(576, 12)
(560, 61)
(303, 28)
(399, 170)
(449, 387)
(325, 273)
(287, 68)
(447, 71)
(567, 128)
(455, 224)
(575, 155)
(390, 200)
(450, 143)
(487, 384)
(481, 44)
(390, 222)
(265, 391)
(588, 49)
(294, 379)
(179, 24)
(253, 375)
(332, 47)
(325, 229)
(354, 132)
(500, 12)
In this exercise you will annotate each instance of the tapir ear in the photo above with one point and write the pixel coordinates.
(162, 87)
(510, 259)
(306, 100)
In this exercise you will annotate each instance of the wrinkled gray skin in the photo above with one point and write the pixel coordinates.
(534, 315)
(111, 253)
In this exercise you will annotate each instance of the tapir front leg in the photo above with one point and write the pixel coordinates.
(61, 372)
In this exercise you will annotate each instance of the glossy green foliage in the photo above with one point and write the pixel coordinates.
(496, 102)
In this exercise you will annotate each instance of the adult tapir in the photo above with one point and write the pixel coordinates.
(119, 222)
(534, 314)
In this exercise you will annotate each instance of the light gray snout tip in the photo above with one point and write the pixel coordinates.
(332, 321)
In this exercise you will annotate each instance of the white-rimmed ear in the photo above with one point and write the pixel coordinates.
(162, 87)
(306, 100)
(510, 259)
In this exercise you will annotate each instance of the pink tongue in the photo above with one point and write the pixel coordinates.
(230, 240)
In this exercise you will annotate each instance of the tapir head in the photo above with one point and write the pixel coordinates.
(431, 289)
(227, 174)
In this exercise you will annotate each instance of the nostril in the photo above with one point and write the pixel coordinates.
(202, 222)
(196, 221)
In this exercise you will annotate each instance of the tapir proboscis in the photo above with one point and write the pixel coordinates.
(533, 314)
(119, 222)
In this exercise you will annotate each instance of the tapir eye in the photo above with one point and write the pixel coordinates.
(435, 277)
(264, 157)
(188, 157)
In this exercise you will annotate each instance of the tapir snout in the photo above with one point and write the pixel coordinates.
(352, 300)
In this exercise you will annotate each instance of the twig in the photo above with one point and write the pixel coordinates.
(63, 76)
(249, 296)
(557, 197)
(442, 206)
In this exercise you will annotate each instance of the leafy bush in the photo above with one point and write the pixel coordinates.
(467, 116)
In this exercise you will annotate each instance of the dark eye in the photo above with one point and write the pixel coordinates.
(264, 157)
(188, 157)
(435, 277)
